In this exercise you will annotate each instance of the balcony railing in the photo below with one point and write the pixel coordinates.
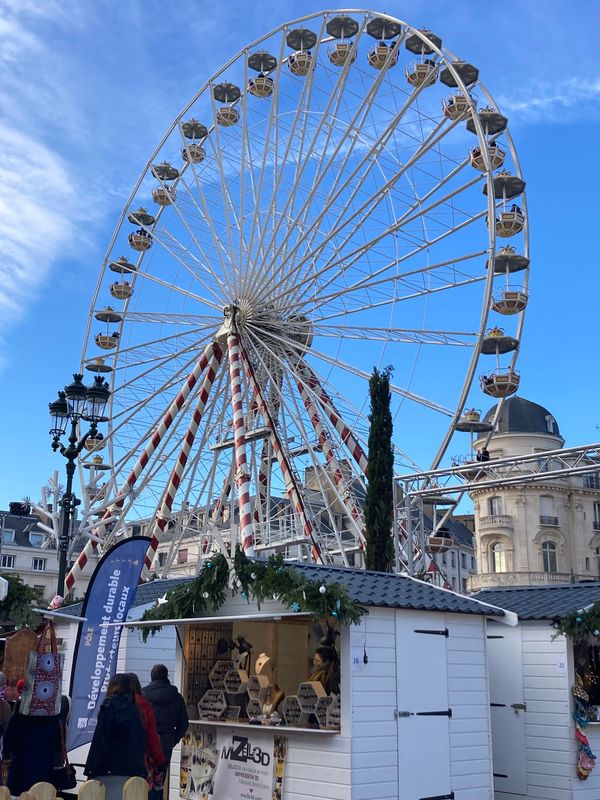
(591, 481)
(484, 580)
(496, 520)
(546, 520)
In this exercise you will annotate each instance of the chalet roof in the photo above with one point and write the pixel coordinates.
(368, 588)
(542, 602)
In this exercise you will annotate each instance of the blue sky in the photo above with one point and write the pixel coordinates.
(88, 90)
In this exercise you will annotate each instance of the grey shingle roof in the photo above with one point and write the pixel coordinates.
(394, 591)
(368, 588)
(542, 602)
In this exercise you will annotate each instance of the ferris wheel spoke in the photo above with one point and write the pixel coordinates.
(363, 249)
(317, 149)
(286, 158)
(187, 227)
(415, 294)
(354, 124)
(231, 220)
(181, 254)
(339, 266)
(205, 215)
(356, 181)
(147, 276)
(402, 335)
(371, 280)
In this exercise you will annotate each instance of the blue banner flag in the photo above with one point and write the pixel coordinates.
(108, 599)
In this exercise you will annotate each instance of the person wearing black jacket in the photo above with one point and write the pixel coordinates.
(117, 749)
(170, 712)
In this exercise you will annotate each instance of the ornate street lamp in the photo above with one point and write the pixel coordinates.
(76, 403)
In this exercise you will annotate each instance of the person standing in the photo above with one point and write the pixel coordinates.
(154, 752)
(33, 745)
(118, 746)
(170, 713)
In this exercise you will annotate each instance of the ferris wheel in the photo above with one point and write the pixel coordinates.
(339, 196)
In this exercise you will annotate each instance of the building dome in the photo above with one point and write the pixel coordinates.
(522, 416)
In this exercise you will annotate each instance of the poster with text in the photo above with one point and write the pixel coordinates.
(232, 765)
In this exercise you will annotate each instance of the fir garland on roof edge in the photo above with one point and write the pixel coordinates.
(260, 581)
(579, 624)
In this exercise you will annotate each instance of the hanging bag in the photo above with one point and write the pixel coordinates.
(64, 777)
(41, 695)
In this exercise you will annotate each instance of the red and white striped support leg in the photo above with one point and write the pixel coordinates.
(142, 461)
(163, 513)
(344, 431)
(242, 469)
(261, 503)
(291, 488)
(332, 462)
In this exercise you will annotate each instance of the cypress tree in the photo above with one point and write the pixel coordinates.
(379, 552)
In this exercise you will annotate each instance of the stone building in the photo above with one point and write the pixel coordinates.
(534, 533)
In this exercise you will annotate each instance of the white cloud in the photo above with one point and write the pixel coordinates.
(563, 101)
(37, 196)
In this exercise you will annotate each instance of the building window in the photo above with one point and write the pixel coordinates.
(162, 559)
(182, 556)
(38, 565)
(452, 558)
(494, 506)
(472, 562)
(591, 481)
(597, 516)
(598, 561)
(549, 557)
(36, 539)
(498, 557)
(7, 562)
(463, 561)
(444, 559)
(587, 564)
(464, 585)
(8, 536)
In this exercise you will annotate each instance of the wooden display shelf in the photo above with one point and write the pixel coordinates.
(275, 728)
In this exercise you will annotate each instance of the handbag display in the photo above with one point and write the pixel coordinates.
(41, 695)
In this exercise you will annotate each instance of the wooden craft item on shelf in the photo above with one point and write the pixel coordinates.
(323, 704)
(235, 681)
(309, 693)
(254, 708)
(292, 713)
(212, 704)
(217, 674)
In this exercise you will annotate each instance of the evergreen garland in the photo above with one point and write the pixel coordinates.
(379, 502)
(579, 624)
(259, 580)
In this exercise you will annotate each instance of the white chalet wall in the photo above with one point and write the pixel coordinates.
(468, 697)
(373, 702)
